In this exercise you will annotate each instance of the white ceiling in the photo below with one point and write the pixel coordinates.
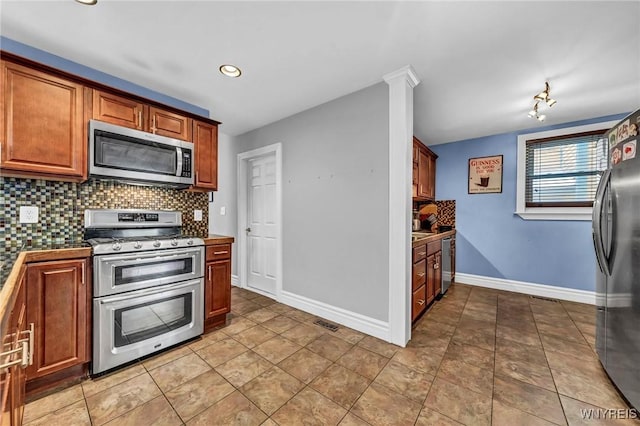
(480, 62)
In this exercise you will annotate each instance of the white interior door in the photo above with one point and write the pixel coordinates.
(262, 224)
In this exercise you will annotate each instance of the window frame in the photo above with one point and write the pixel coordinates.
(550, 213)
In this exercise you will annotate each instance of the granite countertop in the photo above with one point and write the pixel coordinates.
(432, 237)
(8, 259)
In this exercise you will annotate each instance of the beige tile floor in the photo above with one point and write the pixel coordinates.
(478, 357)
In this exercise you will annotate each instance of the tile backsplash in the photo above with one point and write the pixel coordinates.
(62, 206)
(446, 212)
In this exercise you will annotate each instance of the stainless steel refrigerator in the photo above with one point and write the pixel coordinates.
(616, 236)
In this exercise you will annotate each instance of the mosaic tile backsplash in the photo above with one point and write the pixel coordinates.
(446, 212)
(62, 206)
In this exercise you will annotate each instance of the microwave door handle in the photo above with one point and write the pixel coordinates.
(179, 161)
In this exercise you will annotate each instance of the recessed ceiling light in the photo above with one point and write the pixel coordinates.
(87, 2)
(230, 70)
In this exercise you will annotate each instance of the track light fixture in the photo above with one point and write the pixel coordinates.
(543, 96)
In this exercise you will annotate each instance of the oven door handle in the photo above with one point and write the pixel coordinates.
(147, 292)
(154, 256)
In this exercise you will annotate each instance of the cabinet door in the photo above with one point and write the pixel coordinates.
(57, 305)
(118, 110)
(169, 124)
(437, 285)
(423, 174)
(431, 278)
(42, 125)
(217, 290)
(205, 139)
(419, 302)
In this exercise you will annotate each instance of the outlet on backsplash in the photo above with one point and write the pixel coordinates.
(29, 214)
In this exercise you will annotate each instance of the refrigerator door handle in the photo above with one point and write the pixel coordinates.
(596, 223)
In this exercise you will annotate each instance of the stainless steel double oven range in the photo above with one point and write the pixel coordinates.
(147, 284)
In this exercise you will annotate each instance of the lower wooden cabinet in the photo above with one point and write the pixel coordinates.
(426, 284)
(217, 286)
(59, 306)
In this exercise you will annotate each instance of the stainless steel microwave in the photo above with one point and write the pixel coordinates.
(129, 155)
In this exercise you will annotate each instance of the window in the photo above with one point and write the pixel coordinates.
(559, 171)
(564, 171)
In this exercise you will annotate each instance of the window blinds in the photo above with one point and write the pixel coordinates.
(564, 171)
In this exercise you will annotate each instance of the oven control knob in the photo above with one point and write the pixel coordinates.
(137, 245)
(116, 246)
(156, 243)
(174, 242)
(190, 241)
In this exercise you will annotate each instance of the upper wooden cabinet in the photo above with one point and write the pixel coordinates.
(44, 115)
(424, 172)
(128, 112)
(169, 124)
(117, 110)
(42, 124)
(205, 138)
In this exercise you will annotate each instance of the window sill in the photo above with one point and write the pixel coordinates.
(556, 213)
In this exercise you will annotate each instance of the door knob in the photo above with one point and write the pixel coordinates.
(248, 229)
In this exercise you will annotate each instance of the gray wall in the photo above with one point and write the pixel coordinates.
(335, 199)
(226, 195)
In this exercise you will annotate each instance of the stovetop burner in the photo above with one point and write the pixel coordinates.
(111, 231)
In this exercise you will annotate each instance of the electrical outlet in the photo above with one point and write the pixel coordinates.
(197, 215)
(28, 214)
(223, 211)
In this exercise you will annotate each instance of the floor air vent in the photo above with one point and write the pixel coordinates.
(326, 325)
(546, 299)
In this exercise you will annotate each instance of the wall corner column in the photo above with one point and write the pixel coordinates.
(401, 84)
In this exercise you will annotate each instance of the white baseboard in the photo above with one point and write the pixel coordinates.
(362, 323)
(543, 290)
(235, 280)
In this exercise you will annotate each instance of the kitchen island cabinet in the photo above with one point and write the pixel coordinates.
(59, 306)
(13, 377)
(42, 125)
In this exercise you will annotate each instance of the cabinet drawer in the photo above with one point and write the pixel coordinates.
(419, 253)
(218, 252)
(434, 246)
(418, 302)
(419, 274)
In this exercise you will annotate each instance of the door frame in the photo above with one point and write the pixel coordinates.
(243, 168)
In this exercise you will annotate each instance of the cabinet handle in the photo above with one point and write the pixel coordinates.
(421, 274)
(421, 302)
(220, 252)
(30, 340)
(209, 273)
(153, 124)
(23, 361)
(84, 274)
(422, 253)
(140, 119)
(436, 266)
